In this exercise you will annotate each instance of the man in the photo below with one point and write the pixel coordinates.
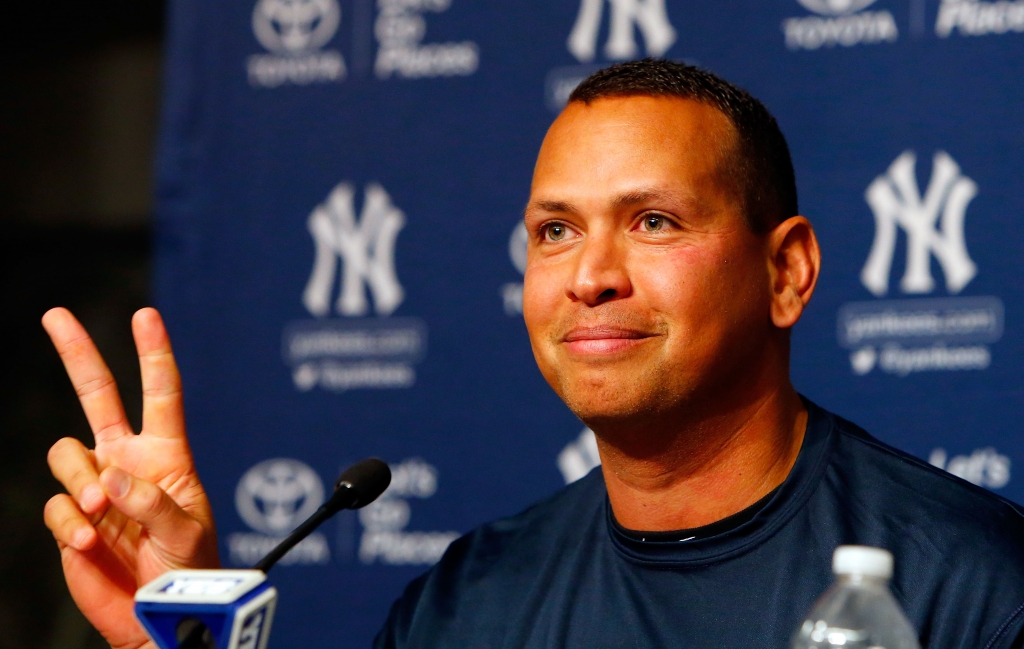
(666, 269)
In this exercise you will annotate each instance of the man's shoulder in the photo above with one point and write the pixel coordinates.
(900, 492)
(893, 471)
(958, 547)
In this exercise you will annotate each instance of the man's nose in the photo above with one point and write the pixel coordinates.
(600, 274)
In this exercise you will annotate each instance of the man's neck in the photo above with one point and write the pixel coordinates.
(703, 470)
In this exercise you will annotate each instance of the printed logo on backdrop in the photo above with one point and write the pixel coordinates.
(272, 498)
(625, 18)
(400, 29)
(907, 336)
(512, 292)
(579, 457)
(385, 537)
(984, 467)
(978, 18)
(839, 22)
(353, 276)
(294, 31)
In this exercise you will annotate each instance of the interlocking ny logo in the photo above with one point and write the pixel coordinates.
(366, 249)
(290, 27)
(896, 200)
(648, 15)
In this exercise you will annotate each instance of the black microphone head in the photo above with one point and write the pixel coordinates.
(366, 480)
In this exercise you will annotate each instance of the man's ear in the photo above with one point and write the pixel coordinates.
(794, 261)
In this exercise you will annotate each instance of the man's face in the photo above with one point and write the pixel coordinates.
(645, 289)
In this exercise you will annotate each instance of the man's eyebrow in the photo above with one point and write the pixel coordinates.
(644, 195)
(627, 199)
(558, 207)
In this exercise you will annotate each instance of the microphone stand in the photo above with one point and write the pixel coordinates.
(344, 496)
(357, 487)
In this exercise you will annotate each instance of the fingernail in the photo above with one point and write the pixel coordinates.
(91, 496)
(120, 482)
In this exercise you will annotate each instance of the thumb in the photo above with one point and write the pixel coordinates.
(170, 527)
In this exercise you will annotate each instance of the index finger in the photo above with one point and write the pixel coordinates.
(90, 376)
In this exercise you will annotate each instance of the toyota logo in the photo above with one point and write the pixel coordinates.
(275, 496)
(291, 27)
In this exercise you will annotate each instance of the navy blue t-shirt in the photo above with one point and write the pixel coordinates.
(562, 574)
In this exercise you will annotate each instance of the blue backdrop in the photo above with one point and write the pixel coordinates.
(340, 183)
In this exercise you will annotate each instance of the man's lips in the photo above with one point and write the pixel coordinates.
(603, 339)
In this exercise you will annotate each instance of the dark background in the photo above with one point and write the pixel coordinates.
(78, 116)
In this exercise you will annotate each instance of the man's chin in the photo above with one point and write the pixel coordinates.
(614, 405)
(616, 390)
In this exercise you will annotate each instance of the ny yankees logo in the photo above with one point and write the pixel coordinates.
(896, 200)
(648, 15)
(366, 250)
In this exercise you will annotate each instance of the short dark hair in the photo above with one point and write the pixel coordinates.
(761, 163)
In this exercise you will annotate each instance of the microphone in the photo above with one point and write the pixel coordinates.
(357, 487)
(233, 609)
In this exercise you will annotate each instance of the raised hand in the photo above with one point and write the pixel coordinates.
(135, 507)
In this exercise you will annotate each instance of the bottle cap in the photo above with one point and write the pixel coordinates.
(862, 560)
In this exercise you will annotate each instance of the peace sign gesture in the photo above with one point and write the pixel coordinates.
(135, 507)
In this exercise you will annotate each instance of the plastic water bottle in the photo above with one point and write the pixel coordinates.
(858, 611)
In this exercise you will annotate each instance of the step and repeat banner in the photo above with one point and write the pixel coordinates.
(340, 253)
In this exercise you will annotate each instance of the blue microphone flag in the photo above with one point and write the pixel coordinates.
(207, 609)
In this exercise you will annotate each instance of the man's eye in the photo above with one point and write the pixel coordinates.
(653, 223)
(555, 232)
